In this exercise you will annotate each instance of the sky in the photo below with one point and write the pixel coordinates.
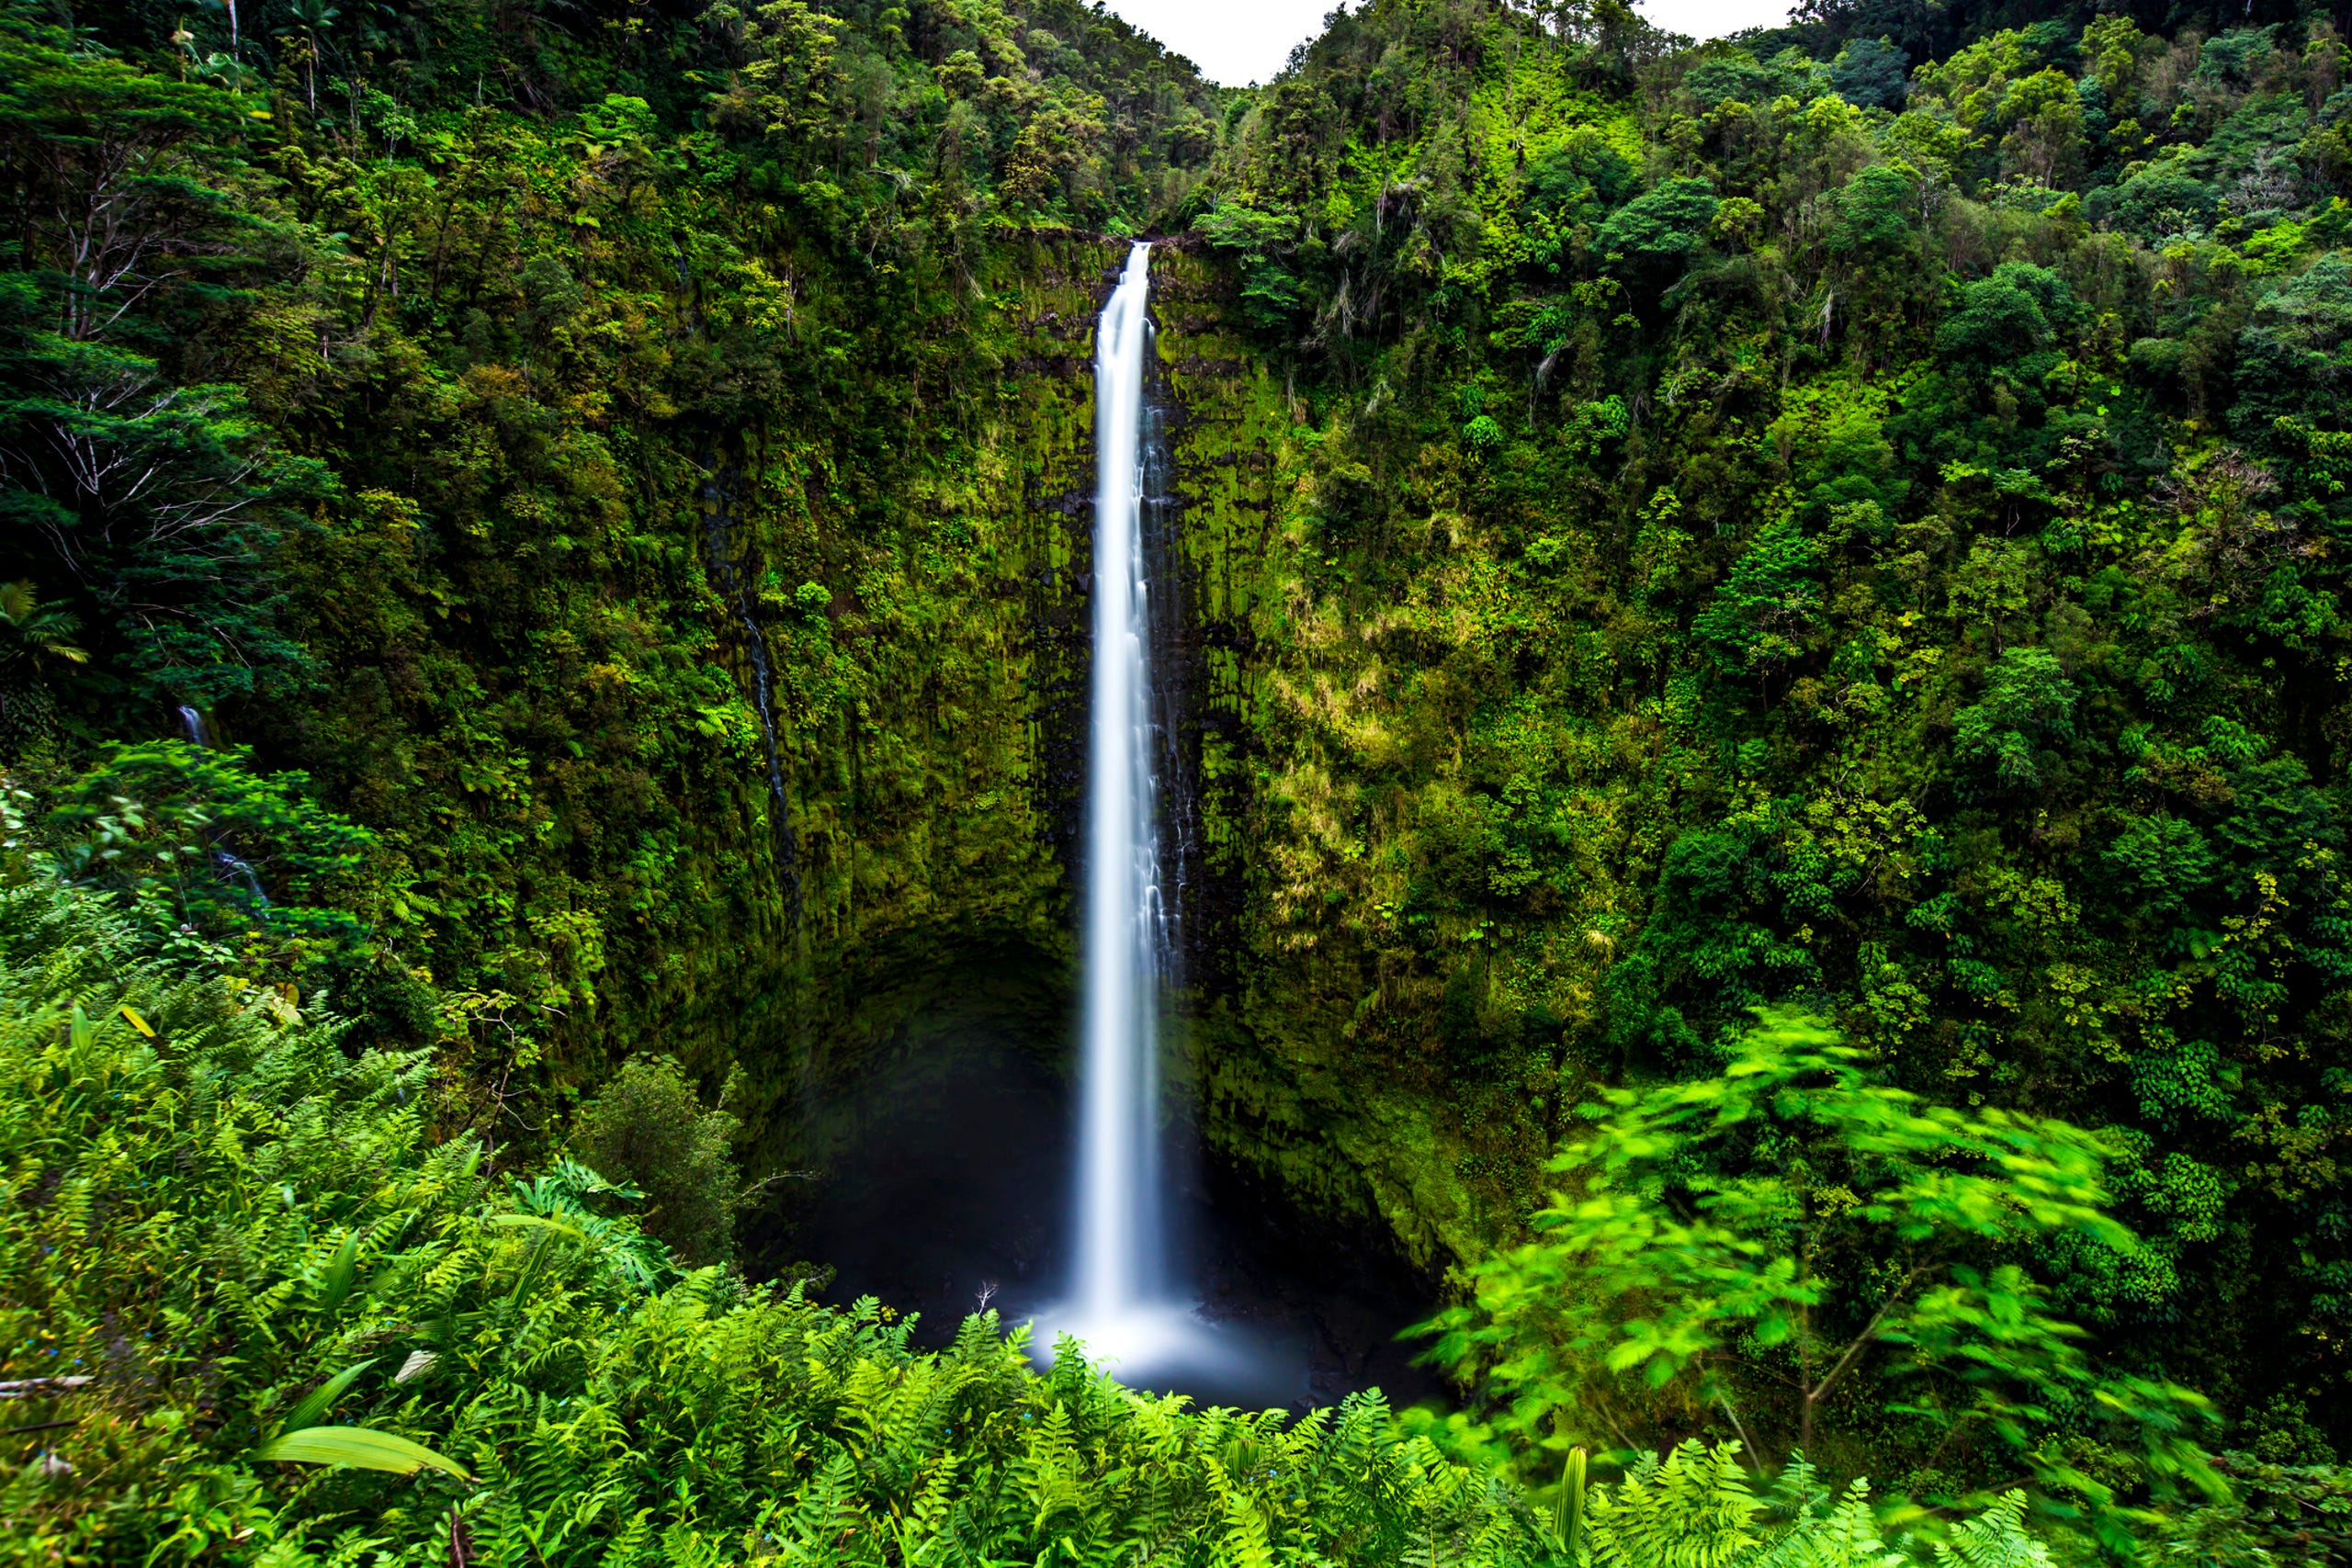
(1240, 41)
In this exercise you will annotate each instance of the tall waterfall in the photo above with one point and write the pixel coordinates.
(1126, 1300)
(1121, 1229)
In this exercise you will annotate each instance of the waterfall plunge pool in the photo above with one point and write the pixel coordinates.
(949, 1180)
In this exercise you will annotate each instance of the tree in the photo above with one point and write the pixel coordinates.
(1874, 211)
(2162, 202)
(97, 169)
(788, 77)
(1724, 78)
(1759, 618)
(1655, 234)
(162, 504)
(648, 1128)
(1768, 1237)
(2028, 710)
(2005, 319)
(1262, 242)
(1871, 72)
(313, 17)
(2294, 358)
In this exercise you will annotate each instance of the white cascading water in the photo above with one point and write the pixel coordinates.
(1126, 1303)
(1119, 1222)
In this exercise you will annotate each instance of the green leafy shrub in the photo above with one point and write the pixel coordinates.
(647, 1127)
(215, 1212)
(1696, 1504)
(257, 1314)
(196, 839)
(1754, 1239)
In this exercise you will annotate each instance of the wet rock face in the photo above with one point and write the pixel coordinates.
(1205, 486)
(940, 831)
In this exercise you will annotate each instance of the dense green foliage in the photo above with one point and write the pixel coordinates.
(457, 454)
(648, 1128)
(553, 527)
(239, 1238)
(1848, 1186)
(1751, 544)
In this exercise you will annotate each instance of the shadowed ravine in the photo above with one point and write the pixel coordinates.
(1090, 1220)
(954, 1185)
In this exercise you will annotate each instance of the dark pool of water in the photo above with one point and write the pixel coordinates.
(951, 1185)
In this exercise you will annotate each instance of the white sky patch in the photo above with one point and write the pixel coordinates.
(1240, 41)
(1704, 19)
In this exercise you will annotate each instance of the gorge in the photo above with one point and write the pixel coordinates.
(677, 682)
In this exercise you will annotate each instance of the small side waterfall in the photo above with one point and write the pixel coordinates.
(199, 735)
(718, 496)
(1120, 1228)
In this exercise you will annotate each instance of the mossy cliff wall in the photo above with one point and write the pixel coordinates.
(1285, 1085)
(549, 709)
(936, 813)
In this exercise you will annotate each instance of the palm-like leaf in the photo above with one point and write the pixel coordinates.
(321, 1400)
(362, 1447)
(29, 629)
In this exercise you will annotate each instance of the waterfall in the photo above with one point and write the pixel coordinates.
(1120, 1300)
(200, 736)
(1126, 1300)
(1119, 1221)
(718, 541)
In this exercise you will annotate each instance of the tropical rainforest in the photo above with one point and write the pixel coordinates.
(1766, 734)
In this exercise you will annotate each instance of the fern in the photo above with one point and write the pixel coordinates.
(1694, 1510)
(1995, 1539)
(254, 1212)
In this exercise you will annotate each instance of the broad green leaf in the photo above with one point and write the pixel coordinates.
(362, 1447)
(335, 1286)
(320, 1400)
